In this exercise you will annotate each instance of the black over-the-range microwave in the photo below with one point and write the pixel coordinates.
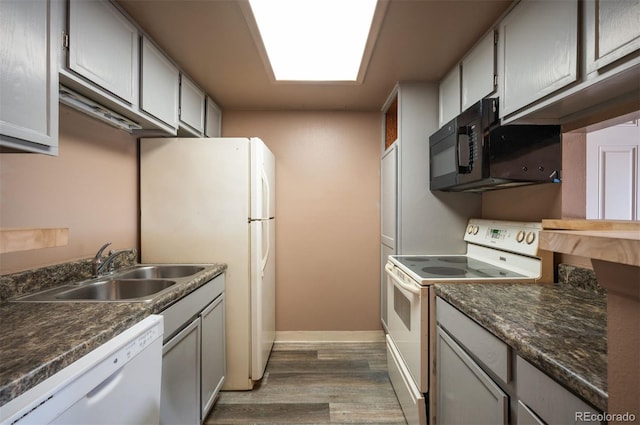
(474, 153)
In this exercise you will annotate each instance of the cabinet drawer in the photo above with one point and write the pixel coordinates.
(485, 347)
(180, 312)
(546, 398)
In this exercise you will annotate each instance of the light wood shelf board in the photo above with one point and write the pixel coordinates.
(617, 246)
(583, 224)
(24, 239)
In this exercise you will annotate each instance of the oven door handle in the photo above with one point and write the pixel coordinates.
(410, 288)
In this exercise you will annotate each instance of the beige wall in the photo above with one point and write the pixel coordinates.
(91, 188)
(526, 203)
(327, 215)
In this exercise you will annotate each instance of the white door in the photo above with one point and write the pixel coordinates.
(613, 183)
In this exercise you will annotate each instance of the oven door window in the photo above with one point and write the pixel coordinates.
(402, 307)
(407, 325)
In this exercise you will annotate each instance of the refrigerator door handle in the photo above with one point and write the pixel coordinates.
(267, 192)
(265, 257)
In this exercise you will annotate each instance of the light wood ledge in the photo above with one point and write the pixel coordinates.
(608, 240)
(24, 239)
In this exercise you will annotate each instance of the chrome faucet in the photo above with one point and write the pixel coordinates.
(100, 263)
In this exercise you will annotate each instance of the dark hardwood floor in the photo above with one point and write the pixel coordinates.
(316, 383)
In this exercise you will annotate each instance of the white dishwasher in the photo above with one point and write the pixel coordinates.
(117, 383)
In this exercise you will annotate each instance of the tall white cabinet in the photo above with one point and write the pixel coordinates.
(426, 222)
(423, 222)
(28, 100)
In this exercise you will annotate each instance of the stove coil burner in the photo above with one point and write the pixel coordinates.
(444, 271)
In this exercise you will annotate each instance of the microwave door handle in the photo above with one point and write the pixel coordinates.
(463, 150)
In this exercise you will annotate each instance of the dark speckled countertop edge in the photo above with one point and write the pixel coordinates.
(95, 323)
(589, 386)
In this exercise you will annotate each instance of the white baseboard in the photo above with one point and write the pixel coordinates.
(330, 336)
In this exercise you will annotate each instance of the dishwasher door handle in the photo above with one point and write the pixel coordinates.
(105, 387)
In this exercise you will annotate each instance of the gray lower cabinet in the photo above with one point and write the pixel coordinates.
(466, 395)
(179, 401)
(213, 354)
(481, 380)
(193, 363)
(547, 401)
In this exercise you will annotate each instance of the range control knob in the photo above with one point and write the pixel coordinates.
(520, 236)
(531, 237)
(470, 229)
(476, 228)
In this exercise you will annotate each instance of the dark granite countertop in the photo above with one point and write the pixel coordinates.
(38, 339)
(559, 328)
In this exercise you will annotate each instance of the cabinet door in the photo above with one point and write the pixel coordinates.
(614, 30)
(449, 97)
(526, 416)
(180, 393)
(539, 44)
(478, 72)
(28, 76)
(213, 353)
(389, 197)
(191, 106)
(214, 118)
(160, 84)
(103, 47)
(466, 395)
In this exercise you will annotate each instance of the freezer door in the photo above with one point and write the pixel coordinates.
(263, 294)
(263, 172)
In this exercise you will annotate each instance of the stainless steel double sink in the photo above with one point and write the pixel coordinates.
(142, 282)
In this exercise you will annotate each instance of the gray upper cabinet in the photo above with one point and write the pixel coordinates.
(160, 84)
(192, 101)
(214, 119)
(28, 77)
(103, 47)
(479, 71)
(449, 96)
(539, 47)
(613, 31)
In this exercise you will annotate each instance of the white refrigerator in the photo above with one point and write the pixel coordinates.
(213, 201)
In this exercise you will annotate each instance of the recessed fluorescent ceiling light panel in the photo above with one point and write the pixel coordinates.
(314, 40)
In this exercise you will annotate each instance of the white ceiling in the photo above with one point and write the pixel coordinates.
(419, 40)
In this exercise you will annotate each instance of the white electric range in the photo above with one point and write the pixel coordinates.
(497, 251)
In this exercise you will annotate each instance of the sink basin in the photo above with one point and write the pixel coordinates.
(115, 290)
(160, 272)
